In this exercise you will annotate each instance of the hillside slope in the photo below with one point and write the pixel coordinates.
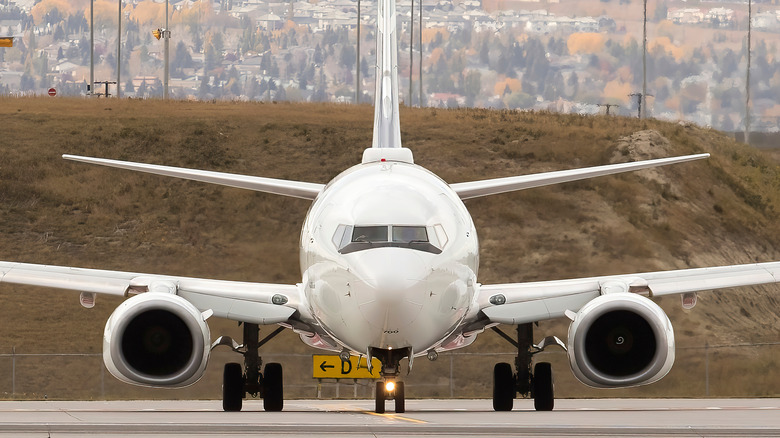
(719, 211)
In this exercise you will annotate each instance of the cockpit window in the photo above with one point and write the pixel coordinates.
(383, 236)
(370, 234)
(409, 234)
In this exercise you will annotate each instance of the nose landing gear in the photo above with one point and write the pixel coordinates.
(389, 388)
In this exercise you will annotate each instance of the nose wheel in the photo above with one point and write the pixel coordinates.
(389, 388)
(396, 393)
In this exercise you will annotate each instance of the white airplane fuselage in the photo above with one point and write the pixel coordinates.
(389, 257)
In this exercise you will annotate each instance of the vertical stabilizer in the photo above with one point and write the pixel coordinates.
(387, 129)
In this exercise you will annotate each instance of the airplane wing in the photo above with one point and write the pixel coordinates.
(475, 189)
(296, 189)
(520, 303)
(257, 303)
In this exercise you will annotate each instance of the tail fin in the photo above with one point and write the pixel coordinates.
(387, 129)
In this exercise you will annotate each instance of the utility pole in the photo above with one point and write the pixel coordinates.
(747, 79)
(91, 46)
(608, 106)
(644, 61)
(357, 63)
(167, 36)
(411, 52)
(119, 52)
(639, 97)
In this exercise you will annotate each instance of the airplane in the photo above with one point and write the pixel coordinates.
(389, 259)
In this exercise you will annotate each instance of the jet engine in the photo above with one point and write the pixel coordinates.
(156, 339)
(620, 340)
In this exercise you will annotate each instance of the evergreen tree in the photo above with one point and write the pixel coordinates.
(204, 90)
(318, 58)
(348, 56)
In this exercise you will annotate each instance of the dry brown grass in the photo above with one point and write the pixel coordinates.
(718, 211)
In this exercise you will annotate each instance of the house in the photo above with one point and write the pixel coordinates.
(766, 21)
(685, 15)
(721, 17)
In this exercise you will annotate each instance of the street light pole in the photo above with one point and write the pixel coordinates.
(411, 53)
(642, 112)
(167, 36)
(119, 52)
(357, 62)
(747, 79)
(91, 46)
(419, 78)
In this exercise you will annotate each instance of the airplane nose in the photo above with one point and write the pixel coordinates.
(391, 272)
(389, 287)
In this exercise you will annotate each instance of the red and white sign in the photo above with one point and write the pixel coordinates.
(52, 92)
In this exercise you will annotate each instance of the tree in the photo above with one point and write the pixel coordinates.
(142, 89)
(472, 85)
(364, 67)
(318, 58)
(661, 11)
(348, 56)
(574, 84)
(181, 59)
(27, 82)
(197, 42)
(129, 86)
(59, 34)
(143, 54)
(211, 58)
(484, 53)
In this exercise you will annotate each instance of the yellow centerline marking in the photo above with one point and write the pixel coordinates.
(396, 417)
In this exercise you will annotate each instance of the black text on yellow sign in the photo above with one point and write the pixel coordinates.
(331, 367)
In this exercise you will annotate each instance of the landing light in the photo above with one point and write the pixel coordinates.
(390, 386)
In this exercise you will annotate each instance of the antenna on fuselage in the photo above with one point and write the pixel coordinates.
(387, 129)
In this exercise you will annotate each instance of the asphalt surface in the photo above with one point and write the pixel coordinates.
(339, 418)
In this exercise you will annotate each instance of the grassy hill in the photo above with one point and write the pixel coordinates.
(719, 211)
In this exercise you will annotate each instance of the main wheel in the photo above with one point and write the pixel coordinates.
(380, 398)
(273, 389)
(544, 395)
(503, 387)
(400, 401)
(232, 387)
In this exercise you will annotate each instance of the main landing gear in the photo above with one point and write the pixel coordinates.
(237, 381)
(388, 388)
(537, 384)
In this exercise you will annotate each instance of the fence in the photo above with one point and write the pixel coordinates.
(733, 370)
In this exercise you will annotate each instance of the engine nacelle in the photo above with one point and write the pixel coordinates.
(156, 339)
(620, 340)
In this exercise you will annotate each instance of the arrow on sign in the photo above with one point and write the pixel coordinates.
(324, 367)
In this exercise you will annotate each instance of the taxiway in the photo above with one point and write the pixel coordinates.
(339, 418)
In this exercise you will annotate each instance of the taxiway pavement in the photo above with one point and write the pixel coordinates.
(340, 418)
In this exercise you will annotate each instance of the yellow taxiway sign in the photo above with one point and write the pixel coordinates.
(6, 41)
(331, 367)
